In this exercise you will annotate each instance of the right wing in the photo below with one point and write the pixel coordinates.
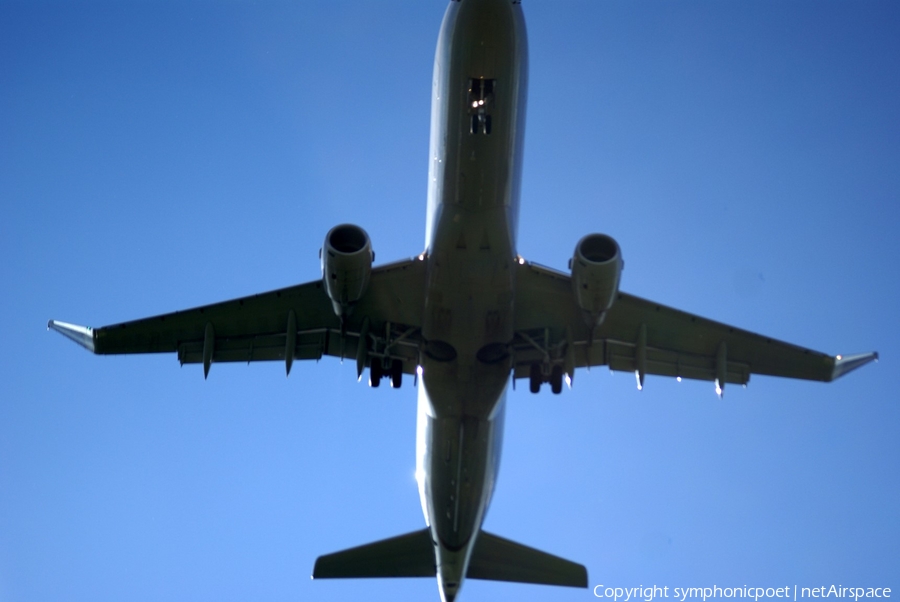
(297, 322)
(649, 338)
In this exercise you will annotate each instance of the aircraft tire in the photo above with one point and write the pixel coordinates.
(535, 378)
(375, 372)
(396, 374)
(556, 379)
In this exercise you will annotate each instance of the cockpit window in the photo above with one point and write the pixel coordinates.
(481, 101)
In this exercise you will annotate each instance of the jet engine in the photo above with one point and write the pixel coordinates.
(596, 268)
(346, 266)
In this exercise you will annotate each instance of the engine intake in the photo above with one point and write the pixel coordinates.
(346, 266)
(596, 269)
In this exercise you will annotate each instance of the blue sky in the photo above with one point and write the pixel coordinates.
(156, 156)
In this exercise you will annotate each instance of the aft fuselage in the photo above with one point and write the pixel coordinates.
(477, 131)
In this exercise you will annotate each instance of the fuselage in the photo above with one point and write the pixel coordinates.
(477, 132)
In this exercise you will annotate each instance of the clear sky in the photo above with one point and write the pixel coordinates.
(160, 155)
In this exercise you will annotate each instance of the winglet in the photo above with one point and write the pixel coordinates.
(83, 335)
(847, 363)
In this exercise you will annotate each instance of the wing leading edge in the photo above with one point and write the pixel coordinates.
(645, 337)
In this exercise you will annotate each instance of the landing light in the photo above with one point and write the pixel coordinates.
(838, 357)
(521, 260)
(475, 104)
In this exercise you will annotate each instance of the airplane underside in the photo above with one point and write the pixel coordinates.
(466, 316)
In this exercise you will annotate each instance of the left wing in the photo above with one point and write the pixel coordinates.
(297, 322)
(648, 338)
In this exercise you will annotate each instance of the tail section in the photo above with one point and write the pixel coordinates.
(498, 559)
(412, 555)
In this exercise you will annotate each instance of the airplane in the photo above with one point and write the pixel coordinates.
(465, 318)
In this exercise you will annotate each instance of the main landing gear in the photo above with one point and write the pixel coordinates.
(394, 371)
(537, 377)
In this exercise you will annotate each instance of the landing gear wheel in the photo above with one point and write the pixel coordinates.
(396, 374)
(375, 372)
(535, 378)
(556, 379)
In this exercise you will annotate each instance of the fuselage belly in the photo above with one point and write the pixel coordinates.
(478, 110)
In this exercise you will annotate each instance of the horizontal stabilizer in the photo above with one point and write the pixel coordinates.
(410, 555)
(82, 335)
(498, 559)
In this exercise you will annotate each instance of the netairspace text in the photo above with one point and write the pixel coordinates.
(790, 592)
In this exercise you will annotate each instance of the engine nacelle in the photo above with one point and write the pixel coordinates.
(346, 266)
(596, 269)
